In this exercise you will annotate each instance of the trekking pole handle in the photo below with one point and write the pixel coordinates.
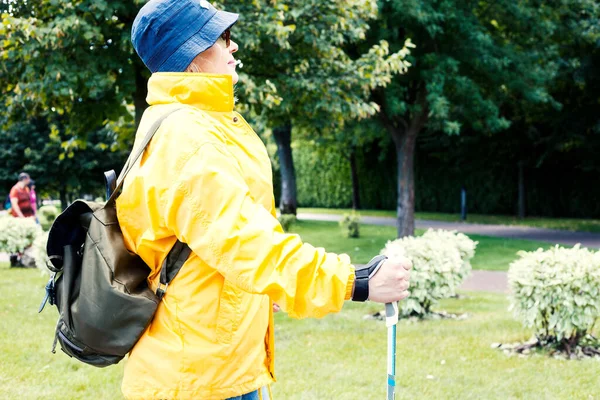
(391, 314)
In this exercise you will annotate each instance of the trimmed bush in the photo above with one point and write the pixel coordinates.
(465, 246)
(440, 261)
(17, 234)
(350, 225)
(39, 252)
(47, 215)
(557, 293)
(286, 221)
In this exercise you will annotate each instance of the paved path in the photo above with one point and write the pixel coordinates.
(488, 281)
(591, 240)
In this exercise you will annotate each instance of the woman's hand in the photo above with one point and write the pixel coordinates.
(391, 282)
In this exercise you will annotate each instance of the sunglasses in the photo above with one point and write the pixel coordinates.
(226, 36)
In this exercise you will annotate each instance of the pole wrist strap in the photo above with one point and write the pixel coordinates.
(362, 276)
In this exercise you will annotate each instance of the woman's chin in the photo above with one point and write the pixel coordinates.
(234, 77)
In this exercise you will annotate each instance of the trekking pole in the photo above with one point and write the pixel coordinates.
(391, 320)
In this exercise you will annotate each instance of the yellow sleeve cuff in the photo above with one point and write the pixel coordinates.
(350, 284)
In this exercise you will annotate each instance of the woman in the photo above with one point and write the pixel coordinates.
(205, 179)
(21, 206)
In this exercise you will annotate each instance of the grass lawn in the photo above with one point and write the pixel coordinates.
(569, 224)
(339, 357)
(492, 253)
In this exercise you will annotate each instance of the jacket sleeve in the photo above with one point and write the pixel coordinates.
(210, 208)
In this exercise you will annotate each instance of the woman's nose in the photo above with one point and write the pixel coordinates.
(233, 47)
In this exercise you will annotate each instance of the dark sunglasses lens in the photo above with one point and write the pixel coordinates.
(226, 36)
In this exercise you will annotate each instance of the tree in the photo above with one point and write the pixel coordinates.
(312, 80)
(40, 150)
(71, 58)
(69, 71)
(473, 59)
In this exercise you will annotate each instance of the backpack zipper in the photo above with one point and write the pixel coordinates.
(70, 343)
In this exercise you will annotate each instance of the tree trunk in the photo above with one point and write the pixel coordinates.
(63, 197)
(283, 137)
(404, 133)
(141, 91)
(405, 156)
(355, 184)
(521, 202)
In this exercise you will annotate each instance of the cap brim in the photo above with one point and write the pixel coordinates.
(199, 42)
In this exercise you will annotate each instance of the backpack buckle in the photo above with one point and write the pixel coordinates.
(160, 292)
(50, 292)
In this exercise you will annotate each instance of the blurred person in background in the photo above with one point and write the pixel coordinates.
(20, 206)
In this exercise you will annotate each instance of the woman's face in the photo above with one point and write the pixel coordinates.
(217, 59)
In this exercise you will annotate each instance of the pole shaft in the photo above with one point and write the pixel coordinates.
(391, 367)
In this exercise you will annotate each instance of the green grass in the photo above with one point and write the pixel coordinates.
(568, 224)
(340, 357)
(492, 253)
(28, 370)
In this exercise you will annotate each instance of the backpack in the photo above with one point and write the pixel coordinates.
(98, 286)
(7, 203)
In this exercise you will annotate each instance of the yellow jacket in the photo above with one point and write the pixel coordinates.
(206, 180)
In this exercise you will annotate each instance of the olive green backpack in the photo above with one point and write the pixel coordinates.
(98, 286)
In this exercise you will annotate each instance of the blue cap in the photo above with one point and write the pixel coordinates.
(169, 34)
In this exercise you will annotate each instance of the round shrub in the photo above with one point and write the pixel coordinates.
(17, 234)
(350, 225)
(287, 221)
(47, 215)
(438, 268)
(39, 252)
(557, 292)
(465, 246)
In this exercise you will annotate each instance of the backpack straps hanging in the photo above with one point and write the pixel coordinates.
(134, 156)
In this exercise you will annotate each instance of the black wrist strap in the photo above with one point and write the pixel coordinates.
(361, 281)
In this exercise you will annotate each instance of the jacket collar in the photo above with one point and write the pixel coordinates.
(211, 92)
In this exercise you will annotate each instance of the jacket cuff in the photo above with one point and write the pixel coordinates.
(350, 284)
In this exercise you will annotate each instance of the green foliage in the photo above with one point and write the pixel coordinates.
(296, 67)
(47, 215)
(66, 80)
(441, 262)
(472, 57)
(35, 147)
(287, 221)
(442, 167)
(17, 234)
(350, 225)
(557, 293)
(69, 60)
(322, 176)
(479, 66)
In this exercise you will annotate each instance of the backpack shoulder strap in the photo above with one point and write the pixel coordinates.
(171, 265)
(180, 251)
(134, 156)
